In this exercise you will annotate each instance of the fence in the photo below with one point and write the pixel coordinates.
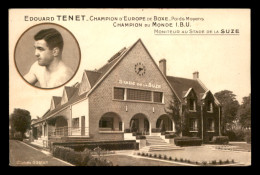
(69, 131)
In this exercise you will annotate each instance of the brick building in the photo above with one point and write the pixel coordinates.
(130, 93)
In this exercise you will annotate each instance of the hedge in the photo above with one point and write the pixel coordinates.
(238, 135)
(140, 137)
(107, 145)
(188, 141)
(127, 130)
(220, 140)
(156, 130)
(79, 158)
(137, 133)
(169, 136)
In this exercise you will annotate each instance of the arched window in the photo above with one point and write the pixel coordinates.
(110, 122)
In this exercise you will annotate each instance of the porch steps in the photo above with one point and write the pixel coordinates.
(156, 143)
(155, 140)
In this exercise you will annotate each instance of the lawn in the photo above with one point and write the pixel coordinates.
(124, 160)
(242, 145)
(205, 153)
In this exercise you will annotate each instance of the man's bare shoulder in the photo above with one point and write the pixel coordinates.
(65, 73)
(35, 68)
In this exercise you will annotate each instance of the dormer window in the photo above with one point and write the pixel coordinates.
(210, 106)
(192, 106)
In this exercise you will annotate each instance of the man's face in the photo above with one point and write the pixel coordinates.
(43, 53)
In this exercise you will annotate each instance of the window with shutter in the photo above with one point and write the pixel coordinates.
(119, 93)
(157, 97)
(141, 95)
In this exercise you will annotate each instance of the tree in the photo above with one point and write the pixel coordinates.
(20, 120)
(174, 111)
(230, 107)
(245, 112)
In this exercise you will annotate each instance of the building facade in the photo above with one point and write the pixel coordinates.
(130, 94)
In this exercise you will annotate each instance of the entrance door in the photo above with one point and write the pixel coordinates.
(134, 125)
(82, 125)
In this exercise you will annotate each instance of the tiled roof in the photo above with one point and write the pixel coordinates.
(93, 77)
(70, 91)
(56, 100)
(182, 85)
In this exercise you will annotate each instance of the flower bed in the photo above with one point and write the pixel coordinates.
(202, 163)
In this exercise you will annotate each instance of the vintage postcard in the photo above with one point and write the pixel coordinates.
(129, 87)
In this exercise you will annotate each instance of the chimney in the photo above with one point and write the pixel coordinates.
(162, 66)
(195, 75)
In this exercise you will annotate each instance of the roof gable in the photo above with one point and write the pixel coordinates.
(55, 101)
(67, 94)
(190, 94)
(181, 85)
(92, 77)
(109, 67)
(84, 85)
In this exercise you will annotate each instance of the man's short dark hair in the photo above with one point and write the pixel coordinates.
(51, 36)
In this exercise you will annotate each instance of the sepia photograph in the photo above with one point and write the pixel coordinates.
(40, 59)
(130, 87)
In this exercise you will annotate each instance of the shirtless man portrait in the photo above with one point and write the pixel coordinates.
(49, 70)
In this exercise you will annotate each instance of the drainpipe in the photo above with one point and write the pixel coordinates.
(202, 121)
(219, 120)
(181, 115)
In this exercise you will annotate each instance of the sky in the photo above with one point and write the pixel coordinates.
(223, 61)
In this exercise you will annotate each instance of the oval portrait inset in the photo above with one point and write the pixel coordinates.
(47, 56)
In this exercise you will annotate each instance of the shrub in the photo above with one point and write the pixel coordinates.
(227, 161)
(169, 136)
(140, 137)
(232, 161)
(248, 136)
(204, 162)
(188, 141)
(163, 133)
(142, 154)
(214, 162)
(220, 162)
(238, 135)
(138, 153)
(91, 162)
(150, 155)
(181, 159)
(146, 154)
(155, 155)
(159, 156)
(78, 158)
(220, 140)
(176, 159)
(127, 130)
(170, 158)
(165, 157)
(156, 130)
(108, 145)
